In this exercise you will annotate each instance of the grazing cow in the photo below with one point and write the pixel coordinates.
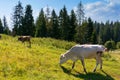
(25, 38)
(80, 52)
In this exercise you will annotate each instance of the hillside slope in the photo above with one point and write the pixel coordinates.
(40, 62)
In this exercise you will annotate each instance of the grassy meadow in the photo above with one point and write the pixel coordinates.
(40, 61)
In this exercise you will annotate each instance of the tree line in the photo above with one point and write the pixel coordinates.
(71, 27)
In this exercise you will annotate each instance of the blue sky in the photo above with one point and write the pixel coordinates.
(99, 10)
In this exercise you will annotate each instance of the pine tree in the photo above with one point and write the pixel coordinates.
(60, 21)
(108, 30)
(82, 23)
(1, 27)
(73, 24)
(55, 33)
(105, 31)
(80, 13)
(48, 12)
(80, 36)
(116, 31)
(28, 27)
(94, 37)
(5, 26)
(41, 29)
(101, 34)
(89, 31)
(48, 21)
(65, 24)
(96, 26)
(17, 18)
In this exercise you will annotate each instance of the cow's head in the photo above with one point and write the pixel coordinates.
(19, 38)
(63, 58)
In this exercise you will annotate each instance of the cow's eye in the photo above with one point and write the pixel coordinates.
(61, 57)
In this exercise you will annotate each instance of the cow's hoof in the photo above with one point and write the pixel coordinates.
(100, 68)
(85, 71)
(94, 70)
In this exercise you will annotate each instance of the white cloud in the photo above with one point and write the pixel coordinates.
(93, 6)
(103, 10)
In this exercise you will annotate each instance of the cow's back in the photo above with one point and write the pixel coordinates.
(85, 51)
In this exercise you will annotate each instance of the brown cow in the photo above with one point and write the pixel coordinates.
(25, 39)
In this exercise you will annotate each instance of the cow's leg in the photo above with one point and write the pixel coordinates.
(100, 61)
(29, 43)
(83, 64)
(97, 62)
(23, 42)
(73, 65)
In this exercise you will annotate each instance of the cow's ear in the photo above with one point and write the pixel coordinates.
(105, 49)
(64, 56)
(61, 55)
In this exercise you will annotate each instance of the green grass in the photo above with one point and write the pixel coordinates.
(40, 62)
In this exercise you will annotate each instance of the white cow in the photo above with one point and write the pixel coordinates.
(80, 52)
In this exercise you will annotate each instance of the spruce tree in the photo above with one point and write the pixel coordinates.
(60, 21)
(80, 13)
(1, 27)
(89, 31)
(5, 26)
(101, 34)
(55, 33)
(65, 24)
(80, 36)
(41, 29)
(94, 39)
(80, 32)
(48, 21)
(116, 31)
(17, 18)
(73, 24)
(28, 27)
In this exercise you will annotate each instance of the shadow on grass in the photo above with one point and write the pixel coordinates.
(88, 76)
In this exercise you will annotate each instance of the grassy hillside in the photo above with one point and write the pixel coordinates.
(40, 62)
